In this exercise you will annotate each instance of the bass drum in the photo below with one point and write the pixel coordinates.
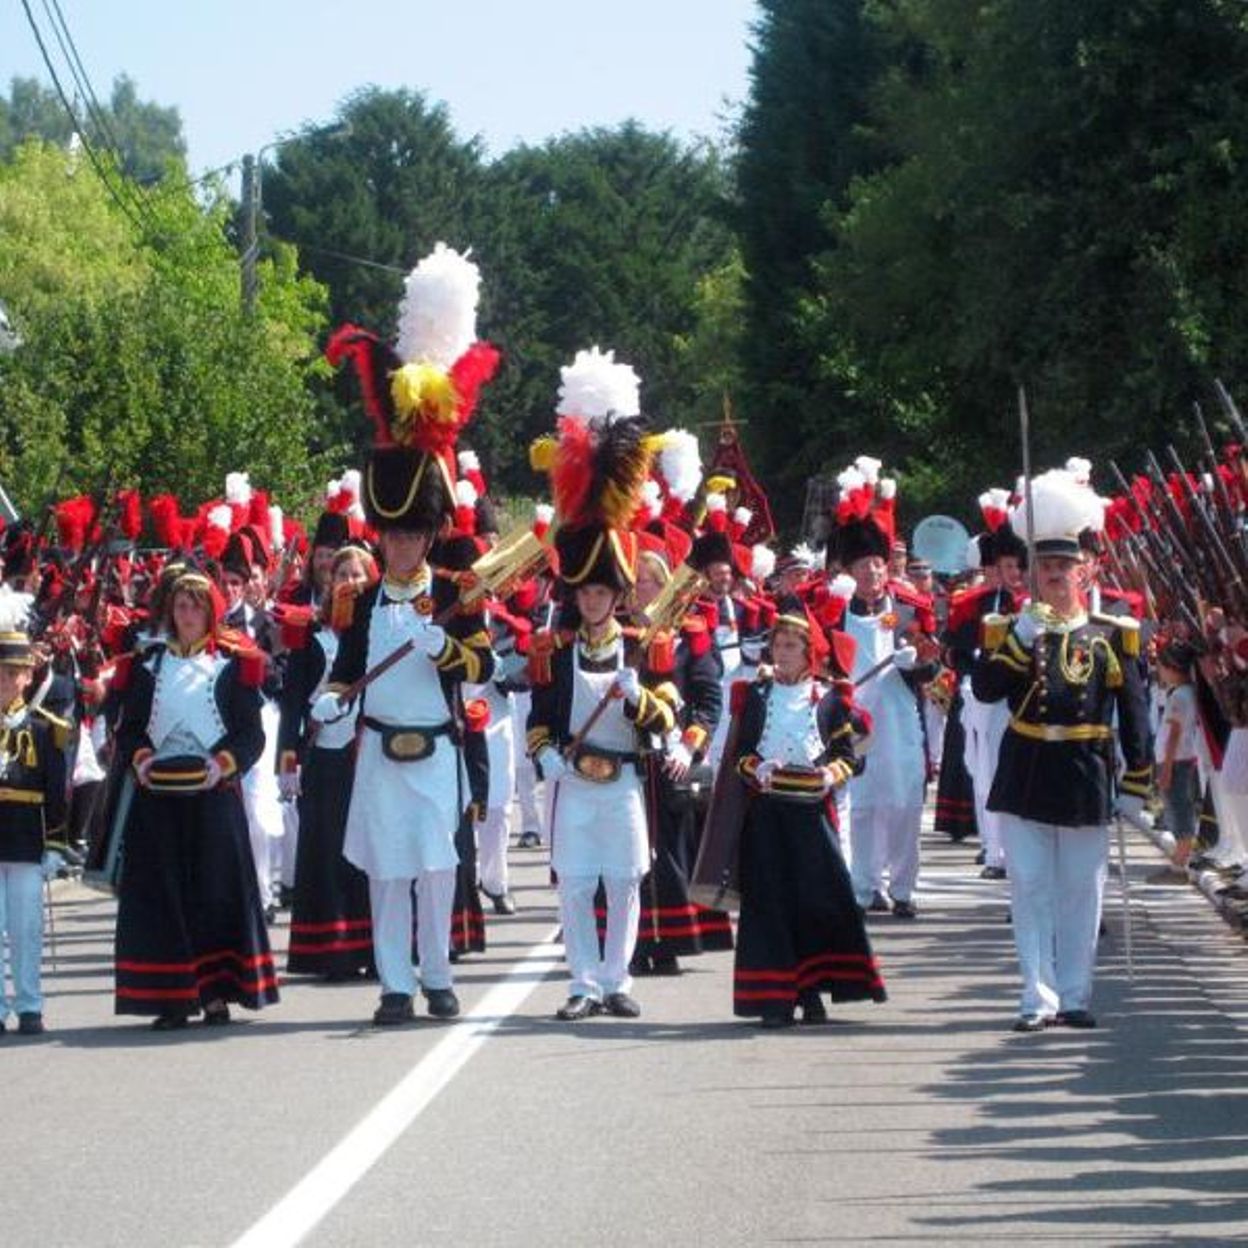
(942, 541)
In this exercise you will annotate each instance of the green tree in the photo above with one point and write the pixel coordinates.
(1062, 212)
(136, 356)
(143, 137)
(806, 133)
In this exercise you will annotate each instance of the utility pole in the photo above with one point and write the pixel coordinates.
(250, 213)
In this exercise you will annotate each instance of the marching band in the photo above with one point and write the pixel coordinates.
(341, 723)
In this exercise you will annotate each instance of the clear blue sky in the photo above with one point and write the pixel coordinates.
(509, 70)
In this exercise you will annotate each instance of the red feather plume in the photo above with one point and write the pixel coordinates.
(374, 361)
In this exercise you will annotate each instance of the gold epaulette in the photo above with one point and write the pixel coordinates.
(62, 729)
(1127, 625)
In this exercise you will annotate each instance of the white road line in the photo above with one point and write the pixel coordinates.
(312, 1198)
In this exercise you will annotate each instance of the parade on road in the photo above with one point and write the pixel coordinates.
(615, 859)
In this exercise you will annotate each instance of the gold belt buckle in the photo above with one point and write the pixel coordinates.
(596, 768)
(408, 744)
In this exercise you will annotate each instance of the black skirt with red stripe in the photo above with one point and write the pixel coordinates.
(800, 929)
(190, 929)
(331, 930)
(955, 792)
(672, 925)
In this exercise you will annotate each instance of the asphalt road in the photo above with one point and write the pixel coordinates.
(923, 1119)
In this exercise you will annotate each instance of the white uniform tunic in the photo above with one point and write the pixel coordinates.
(403, 815)
(791, 732)
(185, 718)
(895, 771)
(600, 829)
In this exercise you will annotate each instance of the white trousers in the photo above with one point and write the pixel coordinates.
(844, 821)
(594, 976)
(884, 839)
(526, 773)
(492, 850)
(991, 836)
(391, 901)
(290, 842)
(21, 920)
(1057, 876)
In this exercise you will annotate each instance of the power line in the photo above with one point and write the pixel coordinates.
(95, 111)
(125, 207)
(342, 255)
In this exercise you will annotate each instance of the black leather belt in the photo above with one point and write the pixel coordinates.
(601, 766)
(409, 743)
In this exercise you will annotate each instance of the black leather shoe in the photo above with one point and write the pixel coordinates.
(30, 1024)
(639, 965)
(529, 840)
(170, 1022)
(992, 873)
(576, 1008)
(813, 1009)
(773, 1022)
(621, 1005)
(878, 904)
(218, 1015)
(503, 903)
(1082, 1020)
(395, 1009)
(666, 964)
(1031, 1022)
(443, 1003)
(905, 910)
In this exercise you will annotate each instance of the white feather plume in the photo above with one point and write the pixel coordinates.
(869, 467)
(465, 493)
(1080, 469)
(716, 502)
(887, 487)
(14, 610)
(277, 533)
(543, 513)
(468, 461)
(438, 313)
(762, 562)
(221, 517)
(807, 556)
(651, 497)
(843, 586)
(742, 516)
(680, 462)
(237, 488)
(850, 479)
(594, 387)
(1061, 507)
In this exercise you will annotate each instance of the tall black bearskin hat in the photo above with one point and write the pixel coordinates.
(342, 518)
(598, 467)
(864, 520)
(1000, 540)
(419, 393)
(712, 544)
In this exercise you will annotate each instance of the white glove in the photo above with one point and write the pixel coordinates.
(51, 864)
(1027, 627)
(1131, 808)
(431, 640)
(328, 708)
(551, 763)
(905, 658)
(679, 760)
(843, 586)
(764, 771)
(212, 775)
(288, 785)
(629, 684)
